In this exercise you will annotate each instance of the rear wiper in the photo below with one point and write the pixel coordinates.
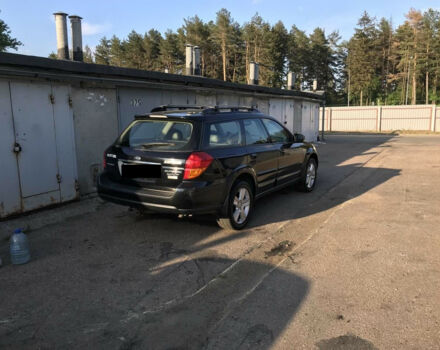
(154, 144)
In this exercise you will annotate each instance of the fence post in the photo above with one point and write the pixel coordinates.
(330, 118)
(433, 116)
(323, 121)
(379, 119)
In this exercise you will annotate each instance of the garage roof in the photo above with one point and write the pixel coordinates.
(15, 64)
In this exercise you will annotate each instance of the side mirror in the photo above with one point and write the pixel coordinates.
(299, 137)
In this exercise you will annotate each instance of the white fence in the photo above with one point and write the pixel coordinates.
(382, 118)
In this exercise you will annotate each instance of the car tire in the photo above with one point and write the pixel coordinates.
(240, 207)
(308, 180)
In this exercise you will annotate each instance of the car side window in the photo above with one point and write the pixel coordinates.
(224, 134)
(255, 132)
(277, 133)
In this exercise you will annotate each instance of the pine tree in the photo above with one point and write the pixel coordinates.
(223, 35)
(117, 52)
(321, 65)
(134, 51)
(385, 68)
(255, 35)
(171, 57)
(151, 45)
(277, 54)
(362, 58)
(430, 47)
(414, 19)
(299, 55)
(102, 51)
(335, 86)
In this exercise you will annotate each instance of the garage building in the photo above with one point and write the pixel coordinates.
(58, 116)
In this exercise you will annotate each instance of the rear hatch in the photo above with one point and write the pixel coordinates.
(152, 152)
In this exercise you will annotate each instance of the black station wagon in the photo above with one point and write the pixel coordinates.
(195, 160)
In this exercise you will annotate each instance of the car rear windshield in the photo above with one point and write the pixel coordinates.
(157, 135)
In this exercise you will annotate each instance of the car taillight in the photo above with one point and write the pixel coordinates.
(196, 164)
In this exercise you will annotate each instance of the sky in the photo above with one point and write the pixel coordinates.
(32, 22)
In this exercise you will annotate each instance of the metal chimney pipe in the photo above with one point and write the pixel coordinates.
(196, 58)
(290, 80)
(315, 84)
(77, 51)
(253, 73)
(61, 29)
(189, 60)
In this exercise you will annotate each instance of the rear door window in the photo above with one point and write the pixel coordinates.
(276, 132)
(224, 134)
(255, 132)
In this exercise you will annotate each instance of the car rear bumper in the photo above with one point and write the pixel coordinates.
(190, 197)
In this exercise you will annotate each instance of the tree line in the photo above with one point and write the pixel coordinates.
(227, 48)
(384, 65)
(379, 64)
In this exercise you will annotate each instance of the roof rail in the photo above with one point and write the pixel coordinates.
(164, 108)
(231, 109)
(204, 109)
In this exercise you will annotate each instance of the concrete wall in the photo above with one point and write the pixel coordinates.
(381, 118)
(96, 127)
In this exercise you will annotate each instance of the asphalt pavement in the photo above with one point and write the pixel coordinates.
(352, 265)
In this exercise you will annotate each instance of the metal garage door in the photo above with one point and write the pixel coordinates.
(310, 121)
(10, 199)
(35, 135)
(133, 101)
(283, 111)
(38, 143)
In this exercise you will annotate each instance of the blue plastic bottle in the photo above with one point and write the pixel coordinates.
(19, 248)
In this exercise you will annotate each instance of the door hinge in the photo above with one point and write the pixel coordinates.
(70, 101)
(52, 98)
(59, 178)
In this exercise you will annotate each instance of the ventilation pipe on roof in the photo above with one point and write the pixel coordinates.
(290, 80)
(315, 84)
(253, 73)
(196, 60)
(61, 29)
(189, 59)
(77, 51)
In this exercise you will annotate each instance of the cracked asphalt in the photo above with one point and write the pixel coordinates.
(352, 265)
